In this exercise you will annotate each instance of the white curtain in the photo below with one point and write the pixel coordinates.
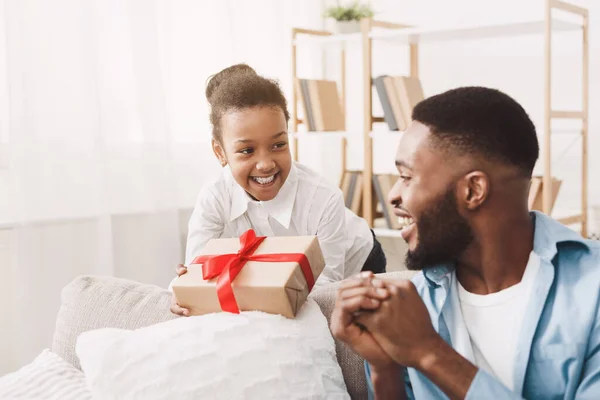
(104, 138)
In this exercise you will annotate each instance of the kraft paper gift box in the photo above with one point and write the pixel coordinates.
(275, 286)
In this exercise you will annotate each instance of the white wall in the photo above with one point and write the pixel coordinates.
(108, 140)
(514, 65)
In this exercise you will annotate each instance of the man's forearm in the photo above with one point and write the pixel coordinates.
(452, 373)
(388, 384)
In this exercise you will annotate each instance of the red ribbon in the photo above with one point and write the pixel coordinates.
(227, 266)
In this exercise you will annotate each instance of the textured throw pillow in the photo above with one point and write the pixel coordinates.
(48, 377)
(252, 355)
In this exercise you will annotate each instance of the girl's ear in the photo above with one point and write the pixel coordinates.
(219, 152)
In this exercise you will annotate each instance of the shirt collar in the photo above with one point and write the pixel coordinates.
(239, 197)
(548, 235)
(280, 208)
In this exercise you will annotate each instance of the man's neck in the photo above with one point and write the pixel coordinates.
(498, 256)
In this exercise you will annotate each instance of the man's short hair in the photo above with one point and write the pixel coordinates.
(481, 121)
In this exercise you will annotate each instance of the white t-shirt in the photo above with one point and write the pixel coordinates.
(493, 323)
(305, 205)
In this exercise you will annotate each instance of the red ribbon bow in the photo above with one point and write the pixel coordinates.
(227, 266)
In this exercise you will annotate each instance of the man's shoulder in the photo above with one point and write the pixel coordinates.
(587, 248)
(579, 259)
(572, 255)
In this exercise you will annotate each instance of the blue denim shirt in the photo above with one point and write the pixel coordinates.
(558, 350)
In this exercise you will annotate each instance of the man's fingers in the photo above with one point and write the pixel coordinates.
(366, 291)
(357, 280)
(354, 304)
(343, 330)
(366, 274)
(355, 294)
(346, 309)
(367, 319)
(378, 283)
(365, 279)
(402, 289)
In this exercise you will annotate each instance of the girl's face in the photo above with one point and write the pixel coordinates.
(255, 145)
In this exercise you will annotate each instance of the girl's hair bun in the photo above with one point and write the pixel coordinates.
(217, 79)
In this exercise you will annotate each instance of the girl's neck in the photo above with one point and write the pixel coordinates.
(252, 197)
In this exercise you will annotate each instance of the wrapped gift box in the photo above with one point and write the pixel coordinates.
(276, 287)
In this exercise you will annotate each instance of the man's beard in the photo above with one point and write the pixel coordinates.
(443, 234)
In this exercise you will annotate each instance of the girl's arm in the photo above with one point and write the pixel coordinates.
(207, 222)
(332, 236)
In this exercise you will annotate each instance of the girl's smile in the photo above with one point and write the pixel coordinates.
(265, 181)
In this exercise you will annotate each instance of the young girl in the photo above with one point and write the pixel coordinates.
(261, 188)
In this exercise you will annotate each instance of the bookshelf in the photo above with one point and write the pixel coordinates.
(321, 37)
(412, 37)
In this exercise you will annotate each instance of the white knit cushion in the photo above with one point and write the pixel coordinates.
(217, 356)
(48, 377)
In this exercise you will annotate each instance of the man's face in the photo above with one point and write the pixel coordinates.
(425, 201)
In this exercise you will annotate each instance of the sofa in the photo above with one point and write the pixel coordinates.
(91, 302)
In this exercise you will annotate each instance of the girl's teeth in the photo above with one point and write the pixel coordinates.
(264, 181)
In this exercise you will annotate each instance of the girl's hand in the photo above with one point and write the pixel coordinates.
(175, 308)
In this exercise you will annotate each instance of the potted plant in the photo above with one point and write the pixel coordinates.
(348, 17)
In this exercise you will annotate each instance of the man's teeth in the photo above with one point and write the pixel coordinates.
(264, 180)
(405, 221)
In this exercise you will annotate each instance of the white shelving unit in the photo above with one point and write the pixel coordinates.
(413, 37)
(455, 33)
(444, 33)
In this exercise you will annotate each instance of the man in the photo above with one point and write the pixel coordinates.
(507, 303)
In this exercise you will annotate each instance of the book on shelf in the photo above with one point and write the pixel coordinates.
(382, 185)
(381, 85)
(304, 100)
(321, 105)
(398, 96)
(536, 193)
(356, 205)
(345, 185)
(351, 186)
(348, 185)
(409, 92)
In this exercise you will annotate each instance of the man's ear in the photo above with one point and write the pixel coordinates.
(219, 152)
(474, 190)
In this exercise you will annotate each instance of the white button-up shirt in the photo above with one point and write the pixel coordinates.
(306, 205)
